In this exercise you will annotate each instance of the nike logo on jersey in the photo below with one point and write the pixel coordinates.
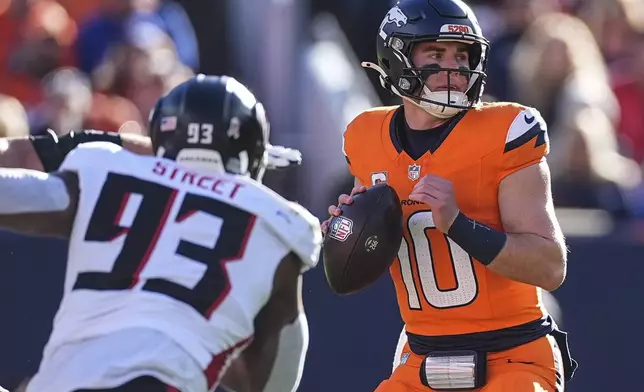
(284, 215)
(524, 128)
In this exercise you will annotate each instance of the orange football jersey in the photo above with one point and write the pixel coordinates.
(441, 289)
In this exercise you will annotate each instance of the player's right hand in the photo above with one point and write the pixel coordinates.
(336, 210)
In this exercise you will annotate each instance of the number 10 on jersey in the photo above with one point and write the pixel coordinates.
(420, 247)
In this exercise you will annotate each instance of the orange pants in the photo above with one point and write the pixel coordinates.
(533, 367)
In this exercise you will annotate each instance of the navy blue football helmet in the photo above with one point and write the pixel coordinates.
(213, 123)
(410, 22)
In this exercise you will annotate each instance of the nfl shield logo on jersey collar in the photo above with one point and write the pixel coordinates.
(414, 172)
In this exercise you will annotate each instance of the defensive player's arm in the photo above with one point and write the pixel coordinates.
(47, 152)
(535, 250)
(36, 203)
(273, 361)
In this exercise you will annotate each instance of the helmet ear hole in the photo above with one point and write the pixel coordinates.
(385, 63)
(153, 119)
(474, 52)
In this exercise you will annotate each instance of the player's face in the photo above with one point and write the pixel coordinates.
(443, 55)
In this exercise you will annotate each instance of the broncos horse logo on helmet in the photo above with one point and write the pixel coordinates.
(395, 15)
(411, 22)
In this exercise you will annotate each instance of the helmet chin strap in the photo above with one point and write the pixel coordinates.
(436, 110)
(441, 111)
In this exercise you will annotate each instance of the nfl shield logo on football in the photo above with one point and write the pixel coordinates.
(341, 228)
(414, 172)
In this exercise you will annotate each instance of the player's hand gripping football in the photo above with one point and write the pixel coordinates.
(342, 199)
(438, 194)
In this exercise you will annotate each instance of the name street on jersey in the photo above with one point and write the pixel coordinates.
(211, 183)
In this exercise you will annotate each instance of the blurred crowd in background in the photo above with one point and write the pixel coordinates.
(71, 64)
(581, 64)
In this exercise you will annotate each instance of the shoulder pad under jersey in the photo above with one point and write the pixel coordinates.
(364, 126)
(520, 135)
(528, 126)
(293, 224)
(93, 154)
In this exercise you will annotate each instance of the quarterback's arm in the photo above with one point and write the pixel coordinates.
(535, 250)
(36, 203)
(273, 361)
(47, 152)
(531, 248)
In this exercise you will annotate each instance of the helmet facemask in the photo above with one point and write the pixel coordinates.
(412, 81)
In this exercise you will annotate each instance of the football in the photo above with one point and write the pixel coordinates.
(362, 243)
